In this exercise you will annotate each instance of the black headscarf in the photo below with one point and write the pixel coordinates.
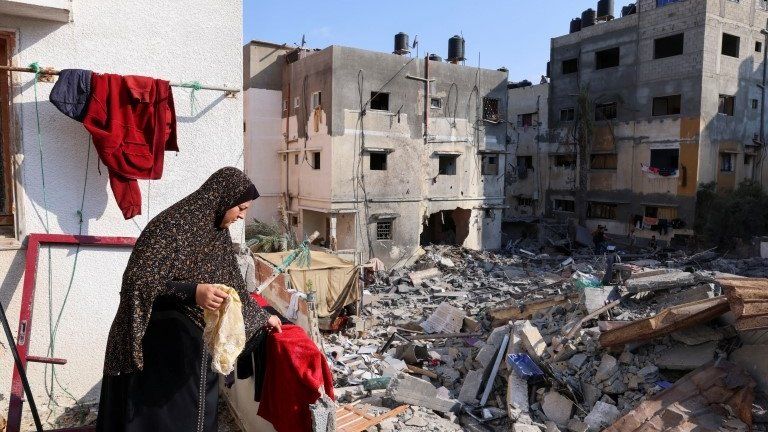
(183, 243)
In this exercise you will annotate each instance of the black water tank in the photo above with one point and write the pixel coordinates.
(456, 49)
(401, 43)
(435, 57)
(605, 9)
(628, 10)
(575, 25)
(502, 69)
(588, 18)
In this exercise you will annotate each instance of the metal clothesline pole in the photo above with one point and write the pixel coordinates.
(51, 71)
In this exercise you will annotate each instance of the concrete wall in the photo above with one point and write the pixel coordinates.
(262, 65)
(263, 141)
(143, 38)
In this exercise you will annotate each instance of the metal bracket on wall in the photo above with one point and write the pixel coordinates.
(34, 241)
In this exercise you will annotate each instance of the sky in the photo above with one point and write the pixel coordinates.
(511, 33)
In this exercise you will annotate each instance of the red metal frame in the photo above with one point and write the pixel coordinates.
(34, 241)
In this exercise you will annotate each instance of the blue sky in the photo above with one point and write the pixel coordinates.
(511, 33)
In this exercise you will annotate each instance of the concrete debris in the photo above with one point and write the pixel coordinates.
(749, 302)
(436, 329)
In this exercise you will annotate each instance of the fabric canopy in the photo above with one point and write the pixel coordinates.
(332, 279)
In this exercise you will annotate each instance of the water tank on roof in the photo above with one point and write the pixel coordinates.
(628, 10)
(502, 69)
(456, 49)
(605, 9)
(401, 44)
(588, 18)
(575, 25)
(435, 57)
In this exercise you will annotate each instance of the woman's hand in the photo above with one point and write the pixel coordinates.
(209, 297)
(274, 324)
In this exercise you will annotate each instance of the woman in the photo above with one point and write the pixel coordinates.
(157, 374)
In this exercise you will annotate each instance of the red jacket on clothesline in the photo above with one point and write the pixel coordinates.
(133, 122)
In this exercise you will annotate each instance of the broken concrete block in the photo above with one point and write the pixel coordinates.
(414, 391)
(686, 357)
(445, 319)
(488, 352)
(576, 425)
(697, 335)
(471, 387)
(323, 414)
(417, 421)
(577, 361)
(649, 374)
(520, 427)
(746, 356)
(417, 277)
(551, 427)
(602, 415)
(608, 367)
(532, 340)
(557, 408)
(660, 281)
(591, 394)
(595, 298)
(517, 396)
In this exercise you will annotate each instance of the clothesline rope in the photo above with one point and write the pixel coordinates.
(194, 85)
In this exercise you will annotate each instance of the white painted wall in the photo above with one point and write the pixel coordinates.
(179, 41)
(263, 140)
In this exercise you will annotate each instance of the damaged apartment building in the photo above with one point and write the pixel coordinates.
(378, 152)
(671, 92)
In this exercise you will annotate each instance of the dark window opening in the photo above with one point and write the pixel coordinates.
(669, 46)
(666, 105)
(604, 161)
(565, 161)
(563, 205)
(525, 162)
(665, 159)
(725, 105)
(755, 104)
(490, 165)
(656, 212)
(436, 103)
(491, 109)
(748, 159)
(727, 162)
(606, 111)
(488, 213)
(597, 210)
(570, 66)
(447, 164)
(525, 120)
(296, 159)
(294, 220)
(316, 160)
(758, 47)
(607, 58)
(379, 101)
(378, 161)
(731, 45)
(567, 114)
(525, 202)
(384, 230)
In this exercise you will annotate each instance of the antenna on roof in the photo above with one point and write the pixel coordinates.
(303, 41)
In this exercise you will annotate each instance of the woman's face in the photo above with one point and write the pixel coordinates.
(233, 214)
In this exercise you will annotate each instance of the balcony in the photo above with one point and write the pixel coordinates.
(49, 10)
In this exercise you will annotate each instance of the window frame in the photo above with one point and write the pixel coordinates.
(731, 164)
(573, 66)
(723, 104)
(485, 164)
(376, 97)
(669, 101)
(568, 110)
(488, 113)
(386, 227)
(605, 157)
(601, 107)
(610, 214)
(669, 39)
(319, 103)
(572, 205)
(432, 104)
(8, 203)
(377, 155)
(450, 170)
(605, 64)
(316, 161)
(733, 39)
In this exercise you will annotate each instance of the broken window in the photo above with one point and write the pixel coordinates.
(447, 164)
(296, 159)
(570, 66)
(605, 111)
(524, 120)
(384, 230)
(490, 165)
(758, 47)
(317, 99)
(378, 161)
(564, 205)
(565, 161)
(668, 46)
(598, 210)
(658, 212)
(605, 161)
(730, 45)
(490, 109)
(436, 103)
(379, 101)
(666, 160)
(727, 162)
(316, 160)
(525, 162)
(725, 105)
(525, 202)
(755, 104)
(567, 114)
(607, 58)
(666, 105)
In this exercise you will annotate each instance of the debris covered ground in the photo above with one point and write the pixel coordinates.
(482, 341)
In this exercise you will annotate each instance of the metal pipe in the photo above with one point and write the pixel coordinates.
(426, 98)
(51, 71)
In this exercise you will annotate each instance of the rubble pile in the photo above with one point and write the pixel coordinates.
(481, 341)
